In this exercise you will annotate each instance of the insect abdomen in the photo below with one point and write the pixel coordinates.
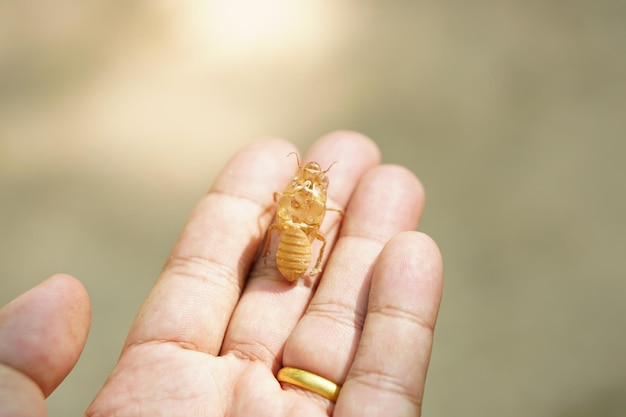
(293, 255)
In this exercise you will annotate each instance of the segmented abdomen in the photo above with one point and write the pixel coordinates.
(293, 255)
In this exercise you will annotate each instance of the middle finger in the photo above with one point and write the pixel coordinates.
(388, 200)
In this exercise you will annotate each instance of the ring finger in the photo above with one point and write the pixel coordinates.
(388, 200)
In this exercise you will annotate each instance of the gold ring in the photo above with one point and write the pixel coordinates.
(309, 381)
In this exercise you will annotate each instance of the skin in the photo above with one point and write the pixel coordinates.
(219, 323)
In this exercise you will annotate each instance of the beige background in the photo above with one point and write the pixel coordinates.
(115, 117)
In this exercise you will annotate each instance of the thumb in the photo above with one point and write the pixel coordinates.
(42, 333)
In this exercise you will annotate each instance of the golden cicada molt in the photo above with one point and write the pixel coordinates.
(299, 215)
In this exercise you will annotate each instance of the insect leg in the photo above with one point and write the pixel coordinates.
(338, 210)
(318, 264)
(266, 248)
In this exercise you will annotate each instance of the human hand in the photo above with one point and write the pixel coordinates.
(219, 324)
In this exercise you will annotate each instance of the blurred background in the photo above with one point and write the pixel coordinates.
(116, 115)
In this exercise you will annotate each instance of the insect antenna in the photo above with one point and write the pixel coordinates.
(328, 169)
(297, 157)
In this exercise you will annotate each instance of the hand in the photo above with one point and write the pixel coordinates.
(219, 324)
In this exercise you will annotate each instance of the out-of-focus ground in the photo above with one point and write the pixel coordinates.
(116, 115)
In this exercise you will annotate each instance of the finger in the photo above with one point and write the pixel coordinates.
(388, 200)
(391, 361)
(270, 306)
(193, 299)
(42, 333)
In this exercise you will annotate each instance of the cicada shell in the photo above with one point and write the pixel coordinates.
(301, 208)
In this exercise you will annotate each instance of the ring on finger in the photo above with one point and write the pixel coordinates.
(310, 382)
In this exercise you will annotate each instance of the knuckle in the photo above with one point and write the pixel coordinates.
(338, 312)
(396, 313)
(202, 269)
(386, 382)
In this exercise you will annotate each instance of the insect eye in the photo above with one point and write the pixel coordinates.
(313, 168)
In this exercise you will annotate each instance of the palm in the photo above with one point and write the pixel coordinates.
(176, 381)
(219, 323)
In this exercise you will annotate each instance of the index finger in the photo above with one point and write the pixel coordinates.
(194, 297)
